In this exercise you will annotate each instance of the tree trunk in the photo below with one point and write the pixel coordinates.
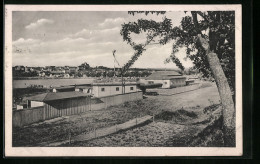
(228, 110)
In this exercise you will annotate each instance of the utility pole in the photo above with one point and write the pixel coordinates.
(123, 90)
(114, 51)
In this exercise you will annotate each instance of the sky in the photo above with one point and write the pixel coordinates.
(44, 38)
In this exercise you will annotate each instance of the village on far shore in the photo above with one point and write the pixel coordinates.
(83, 71)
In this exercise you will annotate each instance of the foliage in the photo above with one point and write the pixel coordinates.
(24, 74)
(85, 65)
(216, 26)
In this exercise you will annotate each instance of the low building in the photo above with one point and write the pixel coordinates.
(109, 89)
(168, 79)
(56, 101)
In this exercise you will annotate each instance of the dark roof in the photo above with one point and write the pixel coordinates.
(65, 87)
(82, 86)
(164, 75)
(113, 84)
(56, 96)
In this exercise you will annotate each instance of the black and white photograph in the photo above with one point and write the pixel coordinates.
(123, 80)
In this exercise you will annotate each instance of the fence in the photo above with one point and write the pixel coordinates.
(27, 116)
(69, 107)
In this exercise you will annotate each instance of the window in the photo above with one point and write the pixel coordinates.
(103, 89)
(117, 88)
(131, 88)
(150, 82)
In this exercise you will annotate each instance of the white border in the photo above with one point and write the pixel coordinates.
(119, 151)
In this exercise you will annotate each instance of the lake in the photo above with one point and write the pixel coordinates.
(50, 82)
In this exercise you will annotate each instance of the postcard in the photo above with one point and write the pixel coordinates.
(123, 80)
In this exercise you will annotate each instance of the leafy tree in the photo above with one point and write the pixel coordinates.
(85, 65)
(80, 74)
(110, 74)
(98, 74)
(104, 74)
(209, 39)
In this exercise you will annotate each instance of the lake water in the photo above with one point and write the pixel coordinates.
(50, 82)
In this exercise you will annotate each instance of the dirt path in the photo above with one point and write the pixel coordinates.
(199, 98)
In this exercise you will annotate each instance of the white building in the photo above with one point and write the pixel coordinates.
(168, 79)
(108, 89)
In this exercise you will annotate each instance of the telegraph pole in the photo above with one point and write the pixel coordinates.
(114, 51)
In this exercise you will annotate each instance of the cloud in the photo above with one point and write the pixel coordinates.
(23, 41)
(39, 23)
(98, 35)
(110, 23)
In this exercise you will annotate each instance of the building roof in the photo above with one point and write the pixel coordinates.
(83, 87)
(165, 75)
(65, 87)
(114, 84)
(50, 96)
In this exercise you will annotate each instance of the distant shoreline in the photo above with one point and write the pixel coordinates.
(42, 78)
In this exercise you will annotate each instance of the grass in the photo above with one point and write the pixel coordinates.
(165, 132)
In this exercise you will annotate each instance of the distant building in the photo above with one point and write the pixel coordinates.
(66, 75)
(109, 89)
(57, 73)
(39, 68)
(50, 68)
(81, 68)
(73, 69)
(42, 74)
(67, 70)
(29, 69)
(19, 68)
(168, 79)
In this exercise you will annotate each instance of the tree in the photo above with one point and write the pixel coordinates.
(85, 65)
(209, 39)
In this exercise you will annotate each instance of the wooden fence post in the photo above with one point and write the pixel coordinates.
(95, 132)
(90, 103)
(69, 137)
